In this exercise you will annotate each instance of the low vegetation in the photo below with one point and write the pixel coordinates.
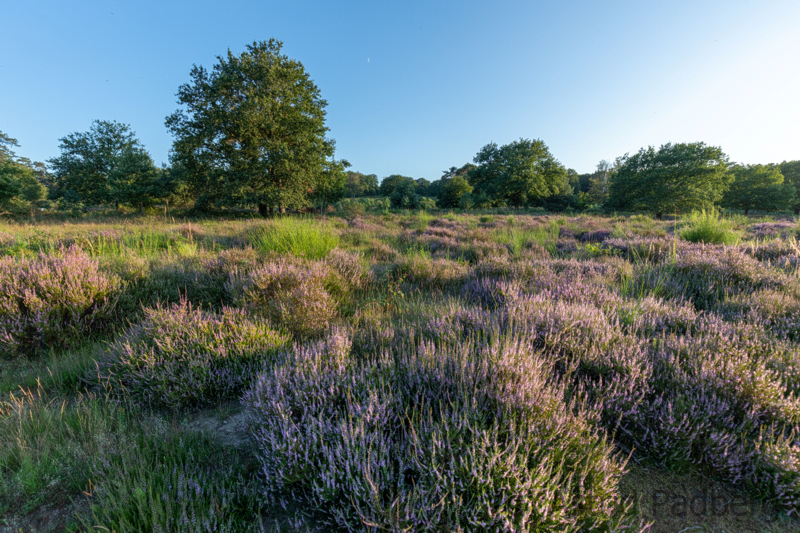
(397, 371)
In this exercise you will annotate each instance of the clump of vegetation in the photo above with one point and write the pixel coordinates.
(181, 356)
(402, 442)
(301, 237)
(710, 228)
(291, 295)
(53, 301)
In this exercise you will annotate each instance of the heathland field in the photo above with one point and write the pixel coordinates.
(400, 372)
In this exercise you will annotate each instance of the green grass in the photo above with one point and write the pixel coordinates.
(307, 238)
(710, 228)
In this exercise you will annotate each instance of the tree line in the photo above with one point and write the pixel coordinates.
(251, 134)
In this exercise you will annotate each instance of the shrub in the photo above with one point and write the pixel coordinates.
(291, 295)
(306, 238)
(427, 273)
(708, 227)
(350, 268)
(53, 301)
(454, 437)
(707, 276)
(201, 279)
(596, 236)
(181, 356)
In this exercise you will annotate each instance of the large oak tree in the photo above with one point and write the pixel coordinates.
(252, 131)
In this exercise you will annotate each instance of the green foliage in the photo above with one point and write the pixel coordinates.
(253, 131)
(518, 174)
(20, 188)
(452, 191)
(105, 165)
(758, 187)
(301, 237)
(675, 178)
(791, 176)
(47, 446)
(358, 184)
(170, 479)
(390, 183)
(709, 227)
(404, 195)
(181, 356)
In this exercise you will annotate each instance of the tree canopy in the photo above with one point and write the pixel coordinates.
(518, 174)
(252, 131)
(390, 183)
(759, 187)
(673, 179)
(105, 165)
(452, 191)
(791, 176)
(358, 184)
(20, 187)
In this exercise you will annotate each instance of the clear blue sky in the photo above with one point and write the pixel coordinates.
(416, 87)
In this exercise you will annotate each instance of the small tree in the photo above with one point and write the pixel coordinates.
(452, 191)
(389, 184)
(405, 195)
(675, 178)
(20, 188)
(758, 187)
(105, 165)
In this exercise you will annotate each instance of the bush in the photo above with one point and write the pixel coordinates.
(291, 295)
(708, 227)
(301, 237)
(53, 301)
(455, 437)
(181, 356)
(708, 276)
(350, 268)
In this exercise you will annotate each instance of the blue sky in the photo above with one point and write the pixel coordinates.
(416, 87)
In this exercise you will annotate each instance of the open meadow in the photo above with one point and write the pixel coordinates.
(400, 371)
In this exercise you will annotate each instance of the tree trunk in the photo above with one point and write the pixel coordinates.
(659, 215)
(262, 210)
(746, 211)
(797, 211)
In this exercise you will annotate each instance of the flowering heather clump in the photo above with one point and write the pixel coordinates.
(706, 276)
(647, 249)
(765, 230)
(491, 293)
(182, 356)
(596, 236)
(649, 317)
(776, 311)
(566, 233)
(290, 294)
(772, 250)
(432, 273)
(201, 279)
(432, 437)
(350, 268)
(53, 301)
(381, 252)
